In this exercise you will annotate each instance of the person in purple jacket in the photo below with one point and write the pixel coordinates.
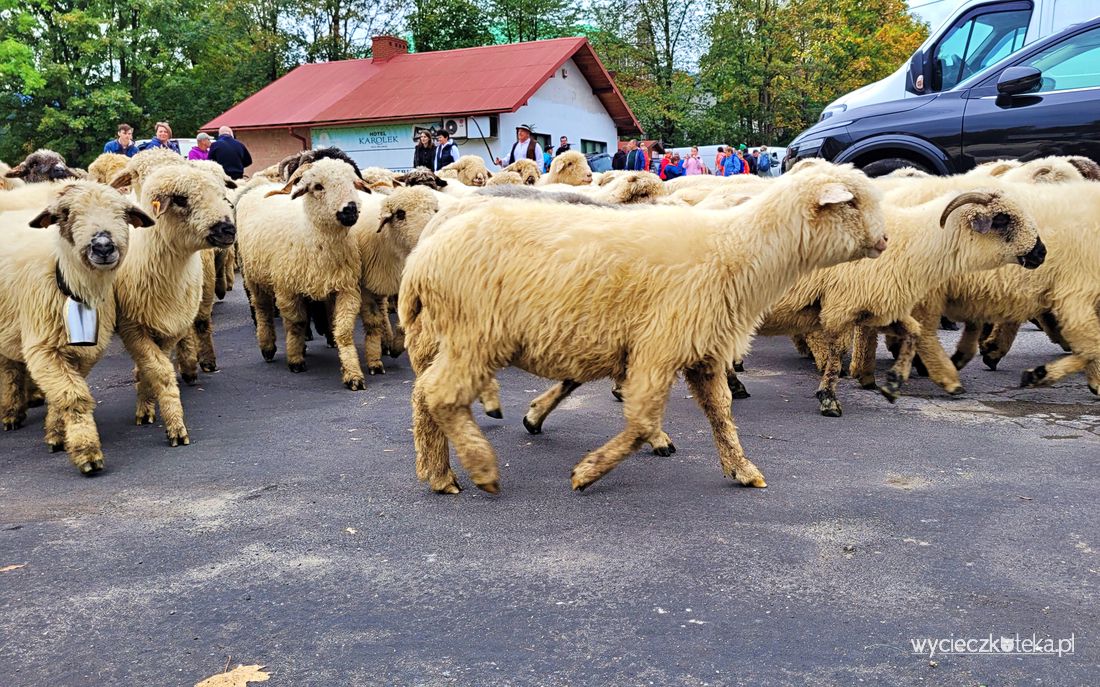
(201, 151)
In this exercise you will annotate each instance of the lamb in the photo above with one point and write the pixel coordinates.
(1067, 286)
(564, 291)
(159, 288)
(293, 250)
(41, 165)
(571, 167)
(106, 166)
(384, 243)
(40, 270)
(976, 230)
(469, 169)
(529, 171)
(506, 178)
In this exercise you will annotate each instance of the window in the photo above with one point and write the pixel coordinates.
(1072, 63)
(590, 147)
(978, 42)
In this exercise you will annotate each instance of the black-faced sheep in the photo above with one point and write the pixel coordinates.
(41, 165)
(571, 292)
(40, 270)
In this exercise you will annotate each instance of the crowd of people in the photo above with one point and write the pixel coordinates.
(435, 149)
(668, 164)
(227, 151)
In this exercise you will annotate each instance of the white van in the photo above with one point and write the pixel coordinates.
(975, 34)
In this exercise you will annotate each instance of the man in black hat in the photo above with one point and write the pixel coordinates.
(524, 147)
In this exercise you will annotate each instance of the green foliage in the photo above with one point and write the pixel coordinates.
(447, 25)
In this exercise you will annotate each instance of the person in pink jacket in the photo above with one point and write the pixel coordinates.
(202, 150)
(693, 164)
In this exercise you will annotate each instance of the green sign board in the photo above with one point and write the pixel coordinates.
(367, 138)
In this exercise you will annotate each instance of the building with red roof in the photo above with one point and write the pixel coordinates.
(373, 108)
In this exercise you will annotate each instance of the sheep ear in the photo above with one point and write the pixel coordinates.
(44, 219)
(160, 205)
(136, 217)
(834, 194)
(489, 175)
(229, 183)
(363, 186)
(981, 223)
(122, 179)
(440, 183)
(299, 192)
(284, 190)
(1088, 169)
(17, 172)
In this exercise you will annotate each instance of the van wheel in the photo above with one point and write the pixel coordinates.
(880, 168)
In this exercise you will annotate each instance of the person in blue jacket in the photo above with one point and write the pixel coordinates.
(675, 168)
(162, 139)
(731, 165)
(124, 144)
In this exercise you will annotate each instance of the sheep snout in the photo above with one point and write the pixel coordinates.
(1034, 257)
(348, 215)
(222, 234)
(102, 251)
(879, 248)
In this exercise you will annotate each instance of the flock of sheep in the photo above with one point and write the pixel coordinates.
(570, 275)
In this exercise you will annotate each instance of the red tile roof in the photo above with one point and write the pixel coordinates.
(471, 81)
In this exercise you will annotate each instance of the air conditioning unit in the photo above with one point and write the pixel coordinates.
(456, 127)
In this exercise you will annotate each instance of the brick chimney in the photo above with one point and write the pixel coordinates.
(383, 48)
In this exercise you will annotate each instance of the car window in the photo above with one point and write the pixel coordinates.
(1072, 63)
(973, 45)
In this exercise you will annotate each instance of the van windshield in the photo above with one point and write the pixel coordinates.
(972, 45)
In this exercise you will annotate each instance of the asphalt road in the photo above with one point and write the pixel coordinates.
(293, 533)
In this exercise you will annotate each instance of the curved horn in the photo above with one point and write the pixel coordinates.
(979, 197)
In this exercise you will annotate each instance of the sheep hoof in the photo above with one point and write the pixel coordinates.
(178, 440)
(919, 368)
(296, 367)
(990, 361)
(617, 394)
(959, 360)
(55, 446)
(891, 390)
(357, 384)
(13, 424)
(868, 383)
(209, 366)
(91, 467)
(739, 366)
(956, 391)
(531, 427)
(451, 488)
(146, 418)
(376, 368)
(828, 405)
(189, 379)
(268, 353)
(737, 389)
(1094, 389)
(495, 413)
(490, 487)
(664, 451)
(1033, 377)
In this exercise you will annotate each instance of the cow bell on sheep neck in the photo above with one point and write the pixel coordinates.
(81, 319)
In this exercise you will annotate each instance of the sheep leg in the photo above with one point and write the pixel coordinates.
(293, 311)
(801, 346)
(232, 264)
(940, 368)
(204, 332)
(909, 330)
(819, 348)
(830, 362)
(433, 463)
(187, 356)
(156, 379)
(345, 311)
(490, 399)
(645, 393)
(1049, 324)
(449, 388)
(998, 343)
(33, 393)
(967, 347)
(55, 430)
(712, 394)
(13, 393)
(542, 406)
(736, 386)
(1080, 327)
(70, 401)
(263, 310)
(373, 315)
(393, 342)
(864, 346)
(219, 273)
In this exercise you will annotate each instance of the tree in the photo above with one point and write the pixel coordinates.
(448, 25)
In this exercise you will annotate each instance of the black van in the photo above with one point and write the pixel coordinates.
(1043, 100)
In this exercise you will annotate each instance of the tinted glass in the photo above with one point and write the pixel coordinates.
(1072, 63)
(975, 44)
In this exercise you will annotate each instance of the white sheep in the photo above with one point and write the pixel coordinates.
(159, 289)
(959, 233)
(529, 171)
(468, 169)
(106, 166)
(290, 250)
(40, 270)
(571, 167)
(564, 291)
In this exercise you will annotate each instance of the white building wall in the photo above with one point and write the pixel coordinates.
(565, 105)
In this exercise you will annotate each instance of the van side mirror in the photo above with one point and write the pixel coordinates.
(914, 80)
(1019, 80)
